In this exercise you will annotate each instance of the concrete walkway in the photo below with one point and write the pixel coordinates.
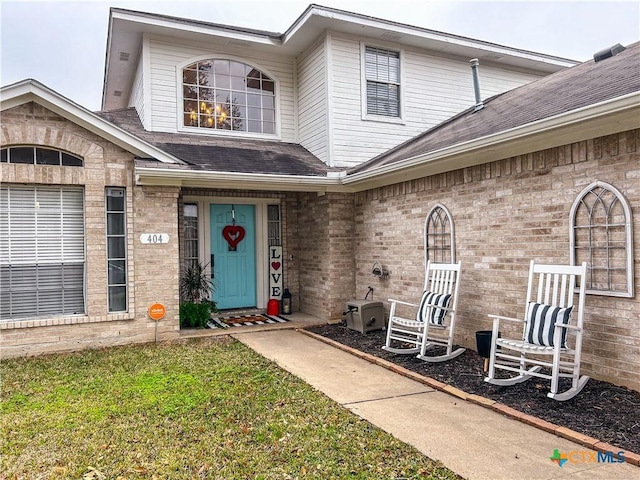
(473, 441)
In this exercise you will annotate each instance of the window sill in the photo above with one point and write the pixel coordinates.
(69, 320)
(383, 119)
(228, 133)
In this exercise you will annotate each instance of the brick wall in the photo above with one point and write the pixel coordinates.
(506, 213)
(149, 209)
(313, 254)
(317, 245)
(326, 253)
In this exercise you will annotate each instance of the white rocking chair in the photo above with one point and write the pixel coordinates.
(435, 318)
(550, 314)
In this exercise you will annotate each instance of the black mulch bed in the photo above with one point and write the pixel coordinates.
(601, 410)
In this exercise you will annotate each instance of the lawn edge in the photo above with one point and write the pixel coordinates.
(564, 432)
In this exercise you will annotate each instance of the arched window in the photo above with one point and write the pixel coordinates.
(39, 156)
(601, 235)
(439, 236)
(228, 95)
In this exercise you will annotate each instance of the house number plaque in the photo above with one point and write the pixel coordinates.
(154, 238)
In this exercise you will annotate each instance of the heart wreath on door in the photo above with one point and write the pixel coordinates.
(233, 234)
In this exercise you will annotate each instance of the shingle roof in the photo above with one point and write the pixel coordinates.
(211, 153)
(580, 86)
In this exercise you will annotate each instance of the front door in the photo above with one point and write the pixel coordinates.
(233, 256)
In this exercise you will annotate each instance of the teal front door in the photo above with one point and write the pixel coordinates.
(233, 256)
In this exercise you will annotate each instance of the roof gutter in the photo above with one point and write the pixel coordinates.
(521, 133)
(244, 181)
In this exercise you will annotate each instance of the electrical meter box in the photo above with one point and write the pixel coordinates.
(365, 315)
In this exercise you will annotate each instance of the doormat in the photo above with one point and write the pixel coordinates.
(245, 321)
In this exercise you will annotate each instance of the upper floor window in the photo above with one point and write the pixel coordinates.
(39, 156)
(439, 236)
(601, 235)
(228, 95)
(382, 73)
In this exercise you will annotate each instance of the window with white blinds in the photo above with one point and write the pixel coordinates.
(42, 251)
(382, 71)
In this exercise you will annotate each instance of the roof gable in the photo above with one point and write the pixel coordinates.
(31, 90)
(127, 27)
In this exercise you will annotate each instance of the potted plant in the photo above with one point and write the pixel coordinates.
(196, 287)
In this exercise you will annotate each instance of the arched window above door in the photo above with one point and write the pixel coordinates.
(222, 94)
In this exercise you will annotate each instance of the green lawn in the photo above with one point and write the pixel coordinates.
(206, 409)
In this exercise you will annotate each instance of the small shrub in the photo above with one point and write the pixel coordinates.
(195, 284)
(194, 314)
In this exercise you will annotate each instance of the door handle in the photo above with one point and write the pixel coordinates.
(212, 263)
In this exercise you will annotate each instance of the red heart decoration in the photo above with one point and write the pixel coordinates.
(233, 234)
(275, 265)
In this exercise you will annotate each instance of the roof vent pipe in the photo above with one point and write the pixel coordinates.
(476, 83)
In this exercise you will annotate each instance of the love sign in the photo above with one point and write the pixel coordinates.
(275, 272)
(233, 234)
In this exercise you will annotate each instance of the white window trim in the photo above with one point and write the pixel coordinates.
(180, 126)
(400, 120)
(42, 319)
(628, 237)
(126, 246)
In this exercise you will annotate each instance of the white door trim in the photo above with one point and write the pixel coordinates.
(262, 241)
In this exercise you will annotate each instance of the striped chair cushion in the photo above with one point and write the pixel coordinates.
(432, 307)
(541, 319)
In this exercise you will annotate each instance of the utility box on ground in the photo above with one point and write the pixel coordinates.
(364, 315)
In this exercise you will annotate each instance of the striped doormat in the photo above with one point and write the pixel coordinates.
(245, 321)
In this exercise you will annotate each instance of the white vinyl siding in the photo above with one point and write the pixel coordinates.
(167, 59)
(42, 251)
(312, 101)
(137, 93)
(434, 88)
